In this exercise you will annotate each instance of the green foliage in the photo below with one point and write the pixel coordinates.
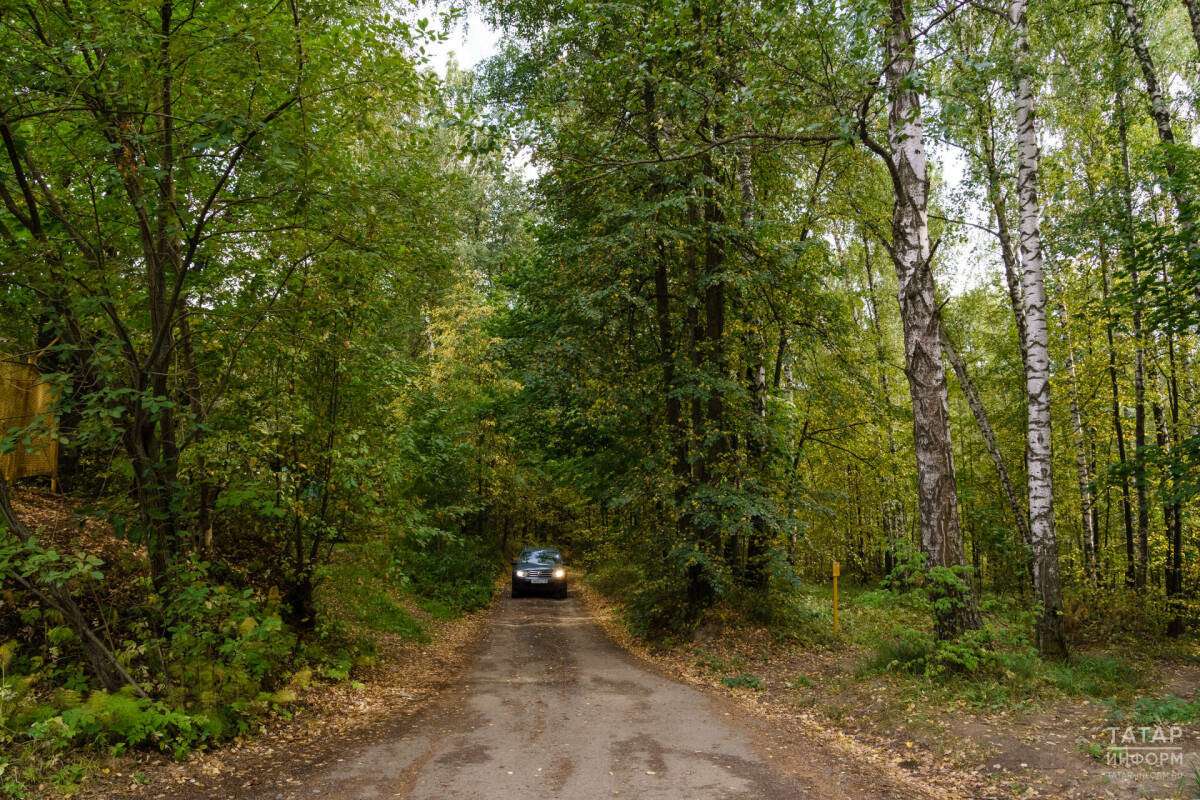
(357, 598)
(791, 614)
(657, 607)
(452, 574)
(914, 598)
(1147, 711)
(222, 653)
(743, 681)
(30, 558)
(908, 569)
(1095, 675)
(120, 721)
(613, 578)
(996, 667)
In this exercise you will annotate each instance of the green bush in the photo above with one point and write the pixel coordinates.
(916, 652)
(119, 721)
(457, 573)
(915, 599)
(614, 578)
(222, 653)
(660, 606)
(909, 652)
(657, 607)
(790, 613)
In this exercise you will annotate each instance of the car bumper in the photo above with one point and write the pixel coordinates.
(547, 584)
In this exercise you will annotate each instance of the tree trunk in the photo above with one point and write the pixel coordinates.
(1141, 542)
(1118, 428)
(718, 443)
(1051, 638)
(1169, 510)
(662, 307)
(892, 507)
(756, 576)
(1160, 114)
(940, 531)
(975, 402)
(1194, 17)
(202, 538)
(695, 342)
(1176, 625)
(1083, 468)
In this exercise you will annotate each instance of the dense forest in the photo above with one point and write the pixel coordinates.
(710, 294)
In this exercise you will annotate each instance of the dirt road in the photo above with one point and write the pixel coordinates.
(552, 708)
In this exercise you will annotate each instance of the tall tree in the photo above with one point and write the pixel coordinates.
(1051, 638)
(912, 255)
(1089, 527)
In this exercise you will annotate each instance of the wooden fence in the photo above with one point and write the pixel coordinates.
(25, 399)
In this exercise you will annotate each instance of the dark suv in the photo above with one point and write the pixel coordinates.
(539, 568)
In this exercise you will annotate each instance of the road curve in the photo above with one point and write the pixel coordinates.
(552, 708)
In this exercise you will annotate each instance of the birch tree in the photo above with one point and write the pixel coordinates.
(912, 255)
(1051, 639)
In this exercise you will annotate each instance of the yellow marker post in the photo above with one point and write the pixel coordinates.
(837, 570)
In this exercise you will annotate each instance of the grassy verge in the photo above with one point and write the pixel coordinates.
(360, 596)
(229, 667)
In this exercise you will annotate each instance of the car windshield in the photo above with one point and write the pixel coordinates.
(540, 556)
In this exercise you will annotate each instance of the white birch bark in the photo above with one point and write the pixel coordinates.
(941, 533)
(1051, 638)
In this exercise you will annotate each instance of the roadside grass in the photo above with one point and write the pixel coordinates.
(359, 595)
(743, 681)
(438, 609)
(1167, 709)
(885, 655)
(995, 668)
(716, 663)
(381, 587)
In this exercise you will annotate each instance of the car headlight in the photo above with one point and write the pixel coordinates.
(560, 573)
(520, 573)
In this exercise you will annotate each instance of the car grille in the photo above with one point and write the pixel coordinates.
(539, 573)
